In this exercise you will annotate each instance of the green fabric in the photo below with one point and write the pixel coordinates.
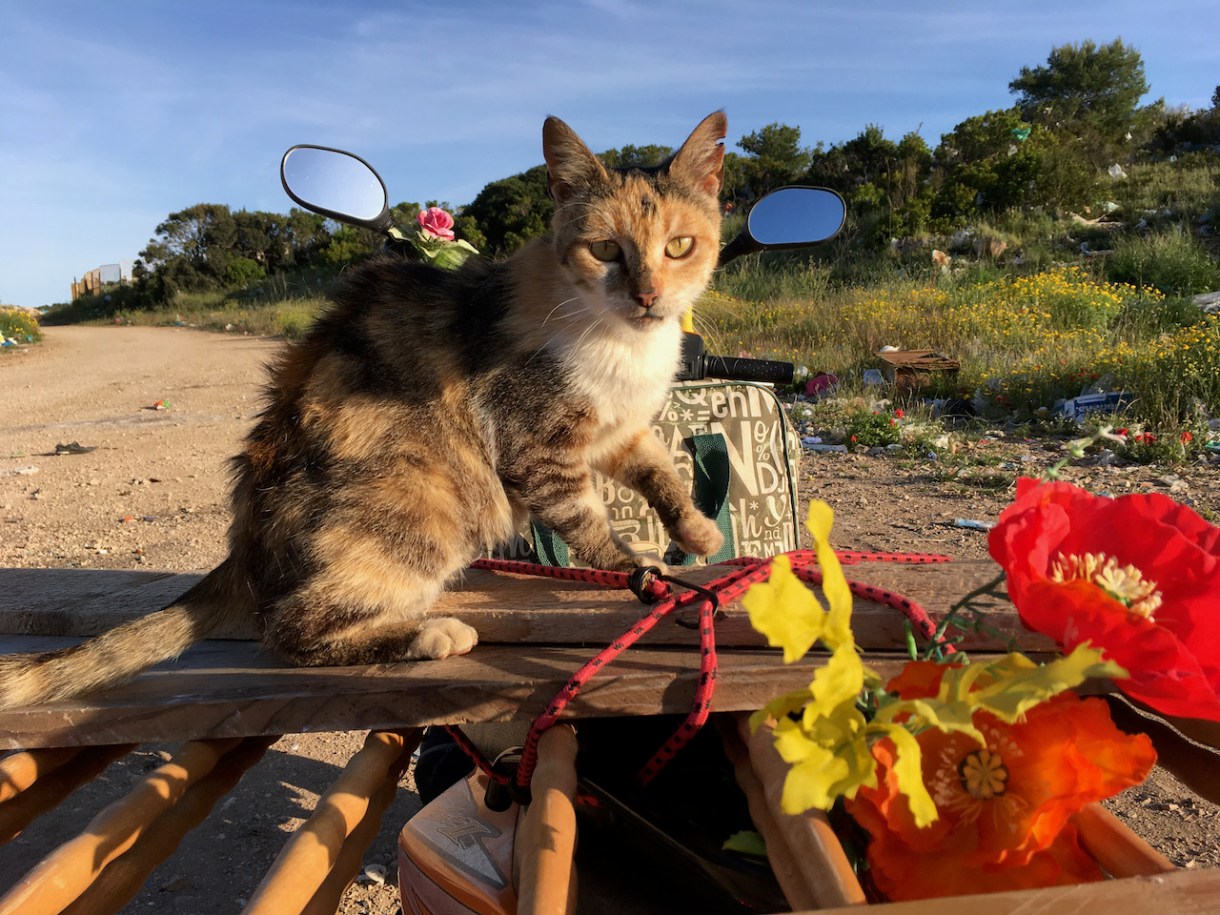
(550, 547)
(711, 453)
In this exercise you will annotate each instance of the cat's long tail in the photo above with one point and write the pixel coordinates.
(118, 655)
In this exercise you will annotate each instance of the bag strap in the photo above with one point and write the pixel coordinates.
(549, 546)
(712, 473)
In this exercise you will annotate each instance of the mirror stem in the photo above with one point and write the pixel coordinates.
(742, 244)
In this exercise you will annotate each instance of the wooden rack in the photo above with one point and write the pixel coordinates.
(227, 701)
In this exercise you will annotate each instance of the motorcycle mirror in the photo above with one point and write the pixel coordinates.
(793, 216)
(337, 184)
(789, 217)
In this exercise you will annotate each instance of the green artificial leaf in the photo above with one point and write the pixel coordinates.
(1020, 684)
(746, 842)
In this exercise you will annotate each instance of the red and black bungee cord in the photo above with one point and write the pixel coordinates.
(652, 587)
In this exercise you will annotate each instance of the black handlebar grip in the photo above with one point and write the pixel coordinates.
(734, 369)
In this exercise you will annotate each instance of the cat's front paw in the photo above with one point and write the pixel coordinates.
(698, 534)
(651, 560)
(442, 638)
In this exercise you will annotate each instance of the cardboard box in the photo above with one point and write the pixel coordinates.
(912, 369)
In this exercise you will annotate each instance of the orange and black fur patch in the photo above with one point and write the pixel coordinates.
(427, 413)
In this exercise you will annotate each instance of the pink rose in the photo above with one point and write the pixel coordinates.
(437, 223)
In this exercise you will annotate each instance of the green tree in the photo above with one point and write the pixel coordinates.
(1086, 90)
(1182, 131)
(348, 244)
(775, 157)
(886, 184)
(511, 211)
(192, 248)
(996, 161)
(636, 156)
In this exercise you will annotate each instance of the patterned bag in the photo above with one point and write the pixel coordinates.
(734, 443)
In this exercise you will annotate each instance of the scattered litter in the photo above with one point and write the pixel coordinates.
(1078, 408)
(820, 384)
(73, 448)
(971, 525)
(810, 444)
(912, 369)
(373, 873)
(19, 471)
(160, 405)
(873, 376)
(1208, 302)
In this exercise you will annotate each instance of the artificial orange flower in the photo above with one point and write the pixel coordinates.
(1005, 806)
(1137, 576)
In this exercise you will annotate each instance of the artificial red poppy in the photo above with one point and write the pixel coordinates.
(1005, 808)
(1137, 576)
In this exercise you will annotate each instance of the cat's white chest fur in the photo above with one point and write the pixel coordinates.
(626, 376)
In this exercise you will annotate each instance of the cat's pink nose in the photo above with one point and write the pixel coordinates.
(646, 299)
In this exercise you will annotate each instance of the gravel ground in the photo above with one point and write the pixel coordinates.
(162, 409)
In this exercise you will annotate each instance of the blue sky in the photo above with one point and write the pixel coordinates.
(115, 114)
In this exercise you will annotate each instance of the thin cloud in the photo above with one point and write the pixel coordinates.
(113, 116)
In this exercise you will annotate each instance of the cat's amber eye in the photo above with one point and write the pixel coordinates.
(605, 250)
(680, 246)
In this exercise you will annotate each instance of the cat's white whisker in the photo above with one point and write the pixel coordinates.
(572, 314)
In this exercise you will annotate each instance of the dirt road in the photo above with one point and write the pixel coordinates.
(162, 410)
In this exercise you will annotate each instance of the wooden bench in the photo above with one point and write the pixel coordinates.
(226, 700)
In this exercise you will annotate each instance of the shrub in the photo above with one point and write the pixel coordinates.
(19, 325)
(1173, 262)
(872, 429)
(242, 271)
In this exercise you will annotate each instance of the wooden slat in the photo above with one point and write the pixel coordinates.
(546, 835)
(306, 860)
(20, 770)
(508, 609)
(824, 869)
(118, 884)
(51, 789)
(1179, 893)
(233, 688)
(1119, 851)
(68, 871)
(230, 690)
(82, 601)
(347, 866)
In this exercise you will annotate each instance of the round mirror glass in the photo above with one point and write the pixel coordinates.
(335, 182)
(796, 216)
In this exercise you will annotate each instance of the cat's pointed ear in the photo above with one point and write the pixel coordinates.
(569, 162)
(700, 161)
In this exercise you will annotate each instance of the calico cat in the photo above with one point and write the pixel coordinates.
(428, 413)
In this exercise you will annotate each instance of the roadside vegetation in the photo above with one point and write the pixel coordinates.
(1054, 248)
(18, 326)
